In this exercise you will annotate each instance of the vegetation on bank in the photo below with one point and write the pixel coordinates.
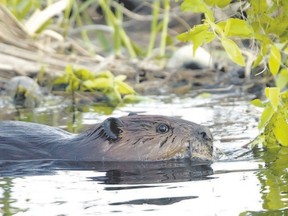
(264, 23)
(114, 88)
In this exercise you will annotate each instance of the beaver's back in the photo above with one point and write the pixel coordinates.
(22, 140)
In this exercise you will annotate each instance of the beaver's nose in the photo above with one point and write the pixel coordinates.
(205, 135)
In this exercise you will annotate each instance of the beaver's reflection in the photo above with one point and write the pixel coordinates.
(155, 172)
(115, 172)
(158, 201)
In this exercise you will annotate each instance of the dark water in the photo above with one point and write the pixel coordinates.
(241, 181)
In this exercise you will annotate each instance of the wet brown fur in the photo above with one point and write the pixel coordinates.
(128, 138)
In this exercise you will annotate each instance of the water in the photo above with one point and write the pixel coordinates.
(241, 181)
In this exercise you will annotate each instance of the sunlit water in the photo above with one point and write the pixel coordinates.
(241, 181)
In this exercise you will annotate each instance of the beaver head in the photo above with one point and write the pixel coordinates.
(151, 138)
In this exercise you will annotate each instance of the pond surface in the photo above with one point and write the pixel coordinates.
(241, 181)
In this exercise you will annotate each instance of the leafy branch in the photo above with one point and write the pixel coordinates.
(115, 89)
(266, 22)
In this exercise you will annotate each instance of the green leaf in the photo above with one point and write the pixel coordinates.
(265, 117)
(100, 83)
(209, 16)
(278, 25)
(274, 60)
(61, 80)
(73, 85)
(233, 51)
(67, 76)
(273, 94)
(263, 52)
(280, 130)
(262, 38)
(84, 74)
(197, 6)
(257, 103)
(258, 60)
(218, 3)
(282, 78)
(216, 28)
(198, 29)
(124, 88)
(105, 74)
(114, 97)
(198, 35)
(69, 69)
(259, 6)
(238, 27)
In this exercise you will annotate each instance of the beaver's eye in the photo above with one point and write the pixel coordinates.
(162, 128)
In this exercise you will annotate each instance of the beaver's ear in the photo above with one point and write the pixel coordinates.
(111, 128)
(132, 113)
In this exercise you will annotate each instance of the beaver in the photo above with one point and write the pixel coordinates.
(127, 138)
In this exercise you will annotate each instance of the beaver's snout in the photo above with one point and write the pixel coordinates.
(200, 146)
(204, 135)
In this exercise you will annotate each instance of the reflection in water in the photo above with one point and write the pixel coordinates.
(283, 212)
(273, 178)
(124, 174)
(6, 202)
(158, 201)
(128, 178)
(156, 173)
(23, 168)
(116, 172)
